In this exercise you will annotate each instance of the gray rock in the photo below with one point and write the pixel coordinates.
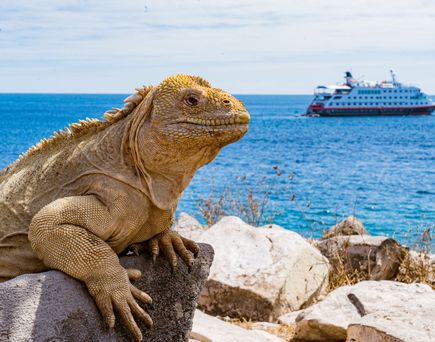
(371, 311)
(378, 257)
(52, 306)
(331, 246)
(349, 226)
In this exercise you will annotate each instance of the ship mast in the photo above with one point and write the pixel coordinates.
(393, 77)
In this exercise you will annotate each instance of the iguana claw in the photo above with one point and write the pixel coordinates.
(171, 244)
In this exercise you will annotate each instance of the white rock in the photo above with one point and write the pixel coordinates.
(208, 328)
(373, 310)
(260, 273)
(264, 326)
(189, 227)
(289, 318)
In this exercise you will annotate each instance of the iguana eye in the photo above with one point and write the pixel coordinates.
(191, 100)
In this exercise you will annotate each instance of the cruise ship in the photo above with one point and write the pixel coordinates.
(363, 98)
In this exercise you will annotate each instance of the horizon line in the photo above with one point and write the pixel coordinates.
(111, 93)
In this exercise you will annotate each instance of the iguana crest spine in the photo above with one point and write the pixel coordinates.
(83, 127)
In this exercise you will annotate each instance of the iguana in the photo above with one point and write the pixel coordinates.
(77, 200)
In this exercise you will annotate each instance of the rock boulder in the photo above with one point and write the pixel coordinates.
(260, 272)
(52, 306)
(378, 257)
(371, 311)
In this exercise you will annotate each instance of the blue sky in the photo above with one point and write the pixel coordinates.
(242, 46)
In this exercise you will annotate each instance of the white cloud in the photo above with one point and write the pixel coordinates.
(244, 46)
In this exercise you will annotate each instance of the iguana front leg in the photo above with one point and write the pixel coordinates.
(69, 235)
(171, 244)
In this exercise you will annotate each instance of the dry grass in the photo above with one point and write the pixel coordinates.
(250, 203)
(418, 266)
(250, 209)
(341, 275)
(284, 331)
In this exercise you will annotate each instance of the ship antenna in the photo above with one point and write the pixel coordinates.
(393, 76)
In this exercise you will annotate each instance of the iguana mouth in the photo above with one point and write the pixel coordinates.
(235, 120)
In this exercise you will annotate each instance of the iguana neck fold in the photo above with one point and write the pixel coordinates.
(163, 170)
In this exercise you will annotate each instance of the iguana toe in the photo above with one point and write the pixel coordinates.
(191, 246)
(133, 274)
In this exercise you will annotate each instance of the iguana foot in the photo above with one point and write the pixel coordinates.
(171, 244)
(114, 291)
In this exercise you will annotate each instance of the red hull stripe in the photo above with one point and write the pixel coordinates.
(378, 108)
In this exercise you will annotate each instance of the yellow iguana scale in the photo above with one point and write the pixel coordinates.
(78, 199)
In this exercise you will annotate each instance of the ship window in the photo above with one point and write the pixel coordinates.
(337, 97)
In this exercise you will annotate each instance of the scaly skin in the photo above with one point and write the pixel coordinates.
(76, 201)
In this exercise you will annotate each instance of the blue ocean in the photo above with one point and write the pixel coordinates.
(305, 173)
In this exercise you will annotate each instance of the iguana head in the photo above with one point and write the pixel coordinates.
(179, 126)
(188, 110)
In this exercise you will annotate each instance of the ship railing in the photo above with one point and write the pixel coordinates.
(323, 91)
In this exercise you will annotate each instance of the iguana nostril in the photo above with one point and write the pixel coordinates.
(227, 101)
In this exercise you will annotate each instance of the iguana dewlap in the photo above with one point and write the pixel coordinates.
(75, 201)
